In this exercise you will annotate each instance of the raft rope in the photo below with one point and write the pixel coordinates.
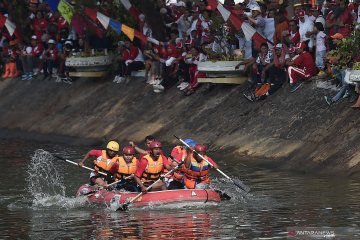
(207, 196)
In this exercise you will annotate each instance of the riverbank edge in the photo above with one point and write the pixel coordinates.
(294, 132)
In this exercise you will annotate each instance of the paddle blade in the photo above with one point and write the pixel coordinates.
(59, 157)
(123, 207)
(241, 185)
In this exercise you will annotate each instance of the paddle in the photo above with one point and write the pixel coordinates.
(66, 160)
(126, 205)
(237, 183)
(111, 184)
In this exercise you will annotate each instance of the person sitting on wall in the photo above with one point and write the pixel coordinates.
(132, 60)
(302, 67)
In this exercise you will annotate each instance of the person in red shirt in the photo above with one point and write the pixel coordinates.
(103, 162)
(132, 60)
(143, 152)
(178, 154)
(151, 167)
(292, 36)
(37, 50)
(302, 67)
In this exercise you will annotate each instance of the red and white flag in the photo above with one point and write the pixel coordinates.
(10, 26)
(249, 31)
(134, 12)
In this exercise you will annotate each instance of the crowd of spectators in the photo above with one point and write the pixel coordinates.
(295, 50)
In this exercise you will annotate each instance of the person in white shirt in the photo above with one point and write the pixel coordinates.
(305, 29)
(320, 47)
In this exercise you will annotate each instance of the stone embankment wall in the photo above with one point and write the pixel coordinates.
(297, 131)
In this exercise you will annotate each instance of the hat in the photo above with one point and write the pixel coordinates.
(291, 50)
(255, 8)
(301, 13)
(120, 43)
(181, 4)
(279, 45)
(34, 37)
(68, 42)
(337, 36)
(297, 5)
(301, 45)
(51, 41)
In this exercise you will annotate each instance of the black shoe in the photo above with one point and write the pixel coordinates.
(295, 86)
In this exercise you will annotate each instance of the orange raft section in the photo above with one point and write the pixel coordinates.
(150, 198)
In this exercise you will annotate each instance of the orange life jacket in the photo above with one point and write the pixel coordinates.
(178, 174)
(153, 169)
(196, 173)
(104, 164)
(126, 169)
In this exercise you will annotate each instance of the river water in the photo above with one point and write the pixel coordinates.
(37, 202)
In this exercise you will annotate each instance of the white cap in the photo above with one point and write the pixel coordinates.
(51, 41)
(279, 45)
(68, 42)
(28, 49)
(34, 37)
(142, 17)
(181, 4)
(255, 8)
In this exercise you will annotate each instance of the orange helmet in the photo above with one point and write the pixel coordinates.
(128, 150)
(200, 148)
(155, 144)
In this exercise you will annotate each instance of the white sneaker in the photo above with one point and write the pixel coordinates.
(183, 87)
(180, 85)
(157, 91)
(116, 79)
(159, 87)
(152, 82)
(156, 82)
(121, 79)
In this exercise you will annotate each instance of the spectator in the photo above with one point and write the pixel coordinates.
(306, 26)
(320, 48)
(50, 57)
(292, 36)
(132, 60)
(302, 67)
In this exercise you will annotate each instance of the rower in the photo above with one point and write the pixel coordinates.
(197, 169)
(143, 152)
(123, 168)
(150, 168)
(103, 162)
(178, 154)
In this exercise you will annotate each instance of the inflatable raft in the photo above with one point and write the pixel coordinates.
(151, 198)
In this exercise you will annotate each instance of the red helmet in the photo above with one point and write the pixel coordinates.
(128, 150)
(200, 148)
(155, 144)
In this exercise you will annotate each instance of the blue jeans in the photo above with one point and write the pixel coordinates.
(344, 85)
(319, 61)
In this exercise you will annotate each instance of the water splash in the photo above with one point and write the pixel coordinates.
(46, 184)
